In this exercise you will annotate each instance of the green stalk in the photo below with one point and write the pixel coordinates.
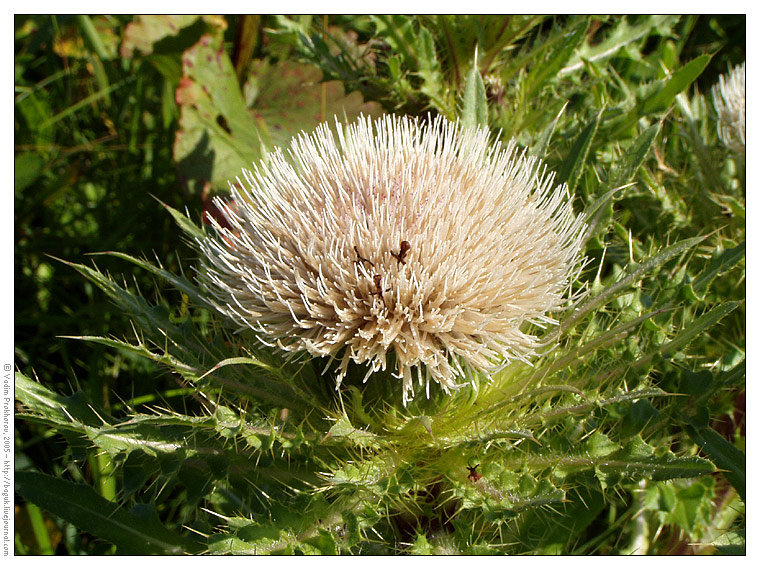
(39, 529)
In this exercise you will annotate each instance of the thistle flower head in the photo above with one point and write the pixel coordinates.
(728, 97)
(425, 242)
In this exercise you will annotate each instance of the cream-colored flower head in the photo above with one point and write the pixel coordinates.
(425, 242)
(728, 97)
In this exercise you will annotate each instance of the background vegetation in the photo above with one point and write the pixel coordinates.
(116, 115)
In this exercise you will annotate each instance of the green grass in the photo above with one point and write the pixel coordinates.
(630, 437)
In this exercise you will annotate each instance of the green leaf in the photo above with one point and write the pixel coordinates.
(217, 137)
(720, 262)
(324, 543)
(542, 142)
(343, 429)
(622, 34)
(289, 100)
(135, 471)
(179, 282)
(232, 544)
(421, 546)
(629, 164)
(636, 272)
(161, 39)
(600, 445)
(637, 459)
(153, 320)
(699, 326)
(736, 206)
(27, 168)
(146, 31)
(141, 351)
(731, 543)
(692, 506)
(366, 473)
(474, 100)
(40, 530)
(33, 112)
(639, 416)
(430, 69)
(228, 423)
(86, 102)
(93, 38)
(84, 508)
(125, 438)
(547, 67)
(573, 166)
(398, 31)
(65, 411)
(726, 456)
(185, 223)
(583, 503)
(663, 97)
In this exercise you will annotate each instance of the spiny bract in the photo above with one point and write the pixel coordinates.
(426, 242)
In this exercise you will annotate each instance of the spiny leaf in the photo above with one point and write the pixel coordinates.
(166, 359)
(343, 429)
(154, 320)
(601, 201)
(123, 439)
(719, 263)
(573, 166)
(542, 143)
(638, 271)
(669, 88)
(367, 473)
(623, 34)
(725, 455)
(556, 57)
(699, 326)
(629, 163)
(583, 503)
(430, 69)
(186, 224)
(64, 411)
(657, 468)
(486, 437)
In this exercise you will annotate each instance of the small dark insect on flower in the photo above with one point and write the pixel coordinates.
(403, 250)
(360, 259)
(378, 279)
(474, 476)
